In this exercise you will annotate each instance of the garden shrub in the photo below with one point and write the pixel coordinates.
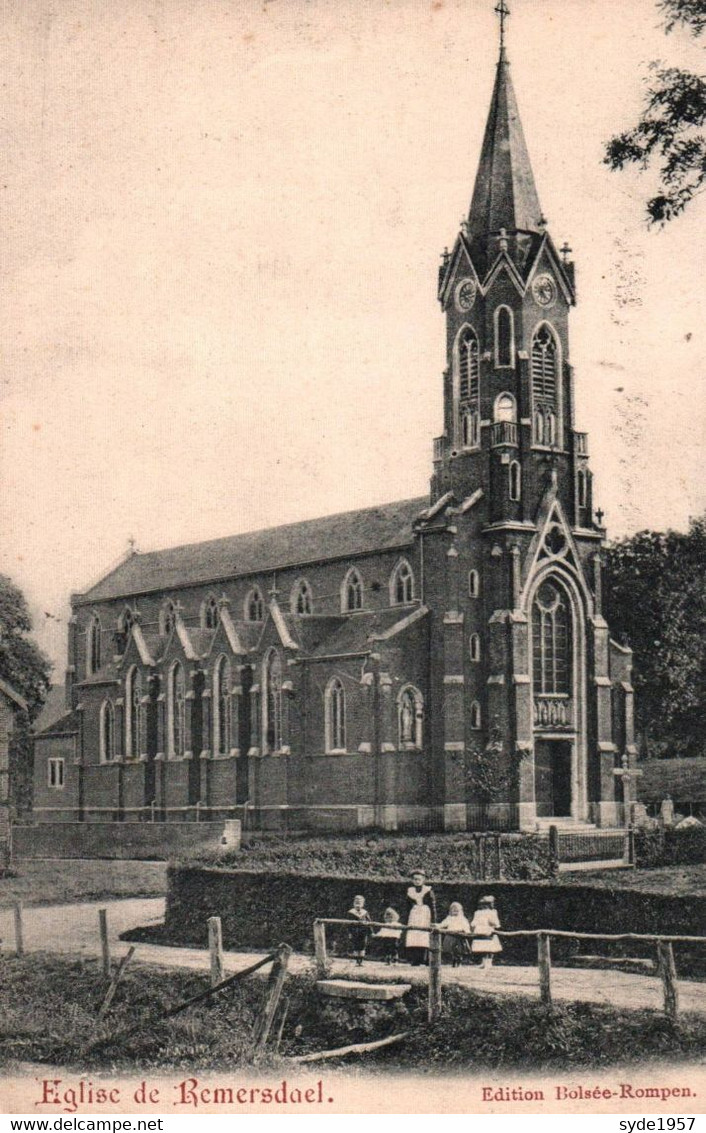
(665, 847)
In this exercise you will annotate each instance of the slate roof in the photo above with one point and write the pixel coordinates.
(315, 540)
(53, 709)
(349, 634)
(66, 725)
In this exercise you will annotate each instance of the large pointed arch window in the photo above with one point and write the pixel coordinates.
(133, 713)
(335, 716)
(272, 701)
(222, 707)
(93, 653)
(352, 592)
(402, 585)
(176, 711)
(545, 385)
(551, 641)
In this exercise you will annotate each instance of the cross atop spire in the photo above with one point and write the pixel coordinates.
(503, 12)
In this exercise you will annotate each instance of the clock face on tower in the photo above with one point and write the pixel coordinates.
(465, 294)
(544, 291)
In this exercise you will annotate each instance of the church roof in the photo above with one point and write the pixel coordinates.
(315, 540)
(505, 195)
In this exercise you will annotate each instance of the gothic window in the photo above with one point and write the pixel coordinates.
(167, 618)
(474, 647)
(505, 408)
(254, 606)
(470, 428)
(504, 337)
(468, 366)
(302, 600)
(176, 711)
(545, 385)
(473, 584)
(126, 620)
(515, 480)
(410, 717)
(352, 592)
(133, 713)
(402, 585)
(551, 641)
(210, 614)
(221, 707)
(475, 715)
(272, 701)
(335, 716)
(582, 493)
(107, 732)
(93, 658)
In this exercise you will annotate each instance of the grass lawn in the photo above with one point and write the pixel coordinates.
(673, 880)
(59, 882)
(50, 1015)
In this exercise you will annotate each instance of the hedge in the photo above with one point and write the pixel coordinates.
(456, 857)
(260, 909)
(662, 847)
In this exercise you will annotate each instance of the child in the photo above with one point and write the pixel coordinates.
(455, 947)
(389, 936)
(359, 935)
(485, 921)
(421, 913)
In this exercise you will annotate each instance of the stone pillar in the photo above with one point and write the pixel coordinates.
(188, 724)
(454, 706)
(255, 721)
(235, 695)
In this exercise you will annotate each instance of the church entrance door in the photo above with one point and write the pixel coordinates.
(552, 763)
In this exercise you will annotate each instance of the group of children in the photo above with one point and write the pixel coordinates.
(395, 941)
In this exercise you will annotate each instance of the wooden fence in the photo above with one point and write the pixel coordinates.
(666, 968)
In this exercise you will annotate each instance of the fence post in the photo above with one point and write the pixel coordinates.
(544, 961)
(554, 846)
(19, 936)
(668, 973)
(481, 857)
(434, 1007)
(498, 857)
(320, 948)
(215, 948)
(105, 947)
(278, 974)
(630, 845)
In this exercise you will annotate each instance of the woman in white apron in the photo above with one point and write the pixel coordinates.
(421, 914)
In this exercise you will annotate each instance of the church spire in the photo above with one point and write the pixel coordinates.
(505, 195)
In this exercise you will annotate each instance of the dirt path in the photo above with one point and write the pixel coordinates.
(74, 929)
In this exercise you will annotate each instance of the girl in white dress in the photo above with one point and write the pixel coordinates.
(485, 922)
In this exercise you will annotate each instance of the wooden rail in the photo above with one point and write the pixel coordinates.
(666, 968)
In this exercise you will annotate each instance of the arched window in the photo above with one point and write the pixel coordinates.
(210, 614)
(167, 618)
(551, 641)
(107, 732)
(272, 701)
(470, 428)
(515, 480)
(335, 716)
(468, 366)
(545, 383)
(254, 606)
(93, 653)
(301, 602)
(582, 492)
(505, 407)
(176, 711)
(352, 592)
(410, 717)
(221, 707)
(475, 715)
(133, 713)
(473, 584)
(126, 620)
(504, 337)
(474, 646)
(402, 585)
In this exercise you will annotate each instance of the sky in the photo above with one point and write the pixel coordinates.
(220, 228)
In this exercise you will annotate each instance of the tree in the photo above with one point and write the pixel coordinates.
(670, 130)
(24, 666)
(655, 598)
(492, 770)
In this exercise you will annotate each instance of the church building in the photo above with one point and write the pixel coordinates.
(437, 663)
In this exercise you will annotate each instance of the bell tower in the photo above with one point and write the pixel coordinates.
(506, 293)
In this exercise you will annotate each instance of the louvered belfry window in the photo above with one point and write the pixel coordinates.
(468, 366)
(544, 367)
